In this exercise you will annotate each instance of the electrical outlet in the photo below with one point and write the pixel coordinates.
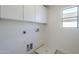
(28, 47)
(31, 45)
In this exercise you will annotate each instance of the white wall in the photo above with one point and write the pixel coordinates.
(12, 40)
(63, 39)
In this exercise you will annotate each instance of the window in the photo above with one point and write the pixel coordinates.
(70, 17)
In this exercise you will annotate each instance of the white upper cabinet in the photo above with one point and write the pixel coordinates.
(29, 13)
(13, 12)
(41, 14)
(35, 13)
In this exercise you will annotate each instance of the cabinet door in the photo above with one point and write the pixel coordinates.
(14, 12)
(29, 13)
(41, 14)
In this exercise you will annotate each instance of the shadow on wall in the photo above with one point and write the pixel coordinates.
(58, 52)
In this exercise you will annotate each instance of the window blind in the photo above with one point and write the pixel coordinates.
(70, 17)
